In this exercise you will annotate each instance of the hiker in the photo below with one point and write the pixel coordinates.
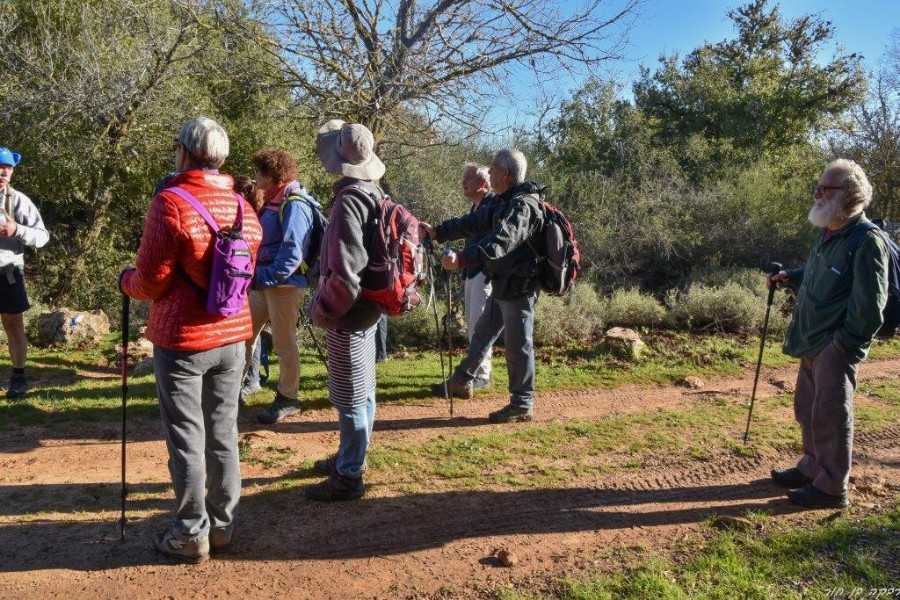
(280, 282)
(20, 226)
(509, 228)
(476, 281)
(836, 315)
(349, 320)
(381, 343)
(198, 357)
(255, 377)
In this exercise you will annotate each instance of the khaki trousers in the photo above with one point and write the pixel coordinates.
(281, 306)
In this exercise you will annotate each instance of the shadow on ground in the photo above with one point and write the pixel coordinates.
(365, 528)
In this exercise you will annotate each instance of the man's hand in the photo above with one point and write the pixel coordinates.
(450, 261)
(777, 280)
(8, 228)
(426, 230)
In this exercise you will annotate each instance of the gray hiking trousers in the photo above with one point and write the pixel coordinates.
(198, 402)
(515, 320)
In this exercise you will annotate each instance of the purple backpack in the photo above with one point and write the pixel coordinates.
(232, 264)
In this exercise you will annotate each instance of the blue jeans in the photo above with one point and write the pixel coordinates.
(515, 320)
(381, 342)
(355, 424)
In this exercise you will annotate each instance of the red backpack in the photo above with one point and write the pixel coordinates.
(396, 258)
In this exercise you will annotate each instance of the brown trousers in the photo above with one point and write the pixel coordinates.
(823, 405)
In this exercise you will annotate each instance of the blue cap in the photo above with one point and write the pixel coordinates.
(8, 157)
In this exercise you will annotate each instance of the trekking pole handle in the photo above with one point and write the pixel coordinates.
(774, 269)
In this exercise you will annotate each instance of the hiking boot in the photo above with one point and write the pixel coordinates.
(168, 544)
(510, 414)
(280, 408)
(459, 390)
(790, 478)
(18, 387)
(336, 487)
(220, 539)
(328, 465)
(250, 388)
(810, 496)
(480, 383)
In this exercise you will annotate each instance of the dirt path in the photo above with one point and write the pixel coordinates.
(59, 501)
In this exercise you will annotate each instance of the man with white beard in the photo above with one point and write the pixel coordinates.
(838, 311)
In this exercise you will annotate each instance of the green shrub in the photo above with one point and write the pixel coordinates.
(416, 329)
(754, 282)
(576, 318)
(729, 308)
(634, 309)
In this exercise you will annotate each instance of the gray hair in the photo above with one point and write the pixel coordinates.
(206, 141)
(480, 172)
(858, 190)
(513, 161)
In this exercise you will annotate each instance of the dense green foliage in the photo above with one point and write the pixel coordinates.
(707, 167)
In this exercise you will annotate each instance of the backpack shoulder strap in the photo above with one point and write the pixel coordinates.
(192, 200)
(364, 190)
(9, 204)
(857, 236)
(295, 198)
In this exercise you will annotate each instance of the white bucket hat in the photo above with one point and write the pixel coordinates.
(347, 149)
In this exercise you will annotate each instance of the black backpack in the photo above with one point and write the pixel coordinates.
(891, 312)
(310, 264)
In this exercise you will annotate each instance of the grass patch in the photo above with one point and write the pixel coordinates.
(824, 560)
(85, 385)
(549, 454)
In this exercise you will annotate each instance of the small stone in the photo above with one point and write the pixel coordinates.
(691, 382)
(726, 523)
(625, 343)
(507, 558)
(784, 384)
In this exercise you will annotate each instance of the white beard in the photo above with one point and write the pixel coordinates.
(825, 213)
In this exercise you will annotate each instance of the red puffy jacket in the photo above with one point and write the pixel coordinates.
(173, 265)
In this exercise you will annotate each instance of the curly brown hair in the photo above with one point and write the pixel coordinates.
(277, 164)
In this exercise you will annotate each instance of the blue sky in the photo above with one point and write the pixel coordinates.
(669, 26)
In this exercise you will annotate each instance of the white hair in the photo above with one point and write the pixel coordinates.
(206, 141)
(857, 189)
(477, 171)
(513, 161)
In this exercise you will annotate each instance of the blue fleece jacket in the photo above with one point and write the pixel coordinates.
(286, 238)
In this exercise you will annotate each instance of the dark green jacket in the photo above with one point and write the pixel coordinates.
(838, 301)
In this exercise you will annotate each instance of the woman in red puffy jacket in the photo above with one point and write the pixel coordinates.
(198, 357)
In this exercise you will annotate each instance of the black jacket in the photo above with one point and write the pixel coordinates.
(472, 270)
(510, 229)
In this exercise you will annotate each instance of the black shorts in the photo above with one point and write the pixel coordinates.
(13, 299)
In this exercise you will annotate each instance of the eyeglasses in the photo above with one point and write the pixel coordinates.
(820, 189)
(175, 143)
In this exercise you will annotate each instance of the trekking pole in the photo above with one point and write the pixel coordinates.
(774, 269)
(315, 340)
(449, 330)
(126, 309)
(429, 257)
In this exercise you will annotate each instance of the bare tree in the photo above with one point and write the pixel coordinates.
(873, 137)
(379, 62)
